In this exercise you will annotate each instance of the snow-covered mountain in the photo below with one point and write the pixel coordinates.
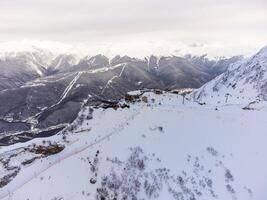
(149, 145)
(88, 137)
(245, 82)
(21, 66)
(42, 89)
(18, 68)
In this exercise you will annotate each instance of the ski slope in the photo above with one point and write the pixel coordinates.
(162, 149)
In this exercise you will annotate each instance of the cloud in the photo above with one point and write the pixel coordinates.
(114, 21)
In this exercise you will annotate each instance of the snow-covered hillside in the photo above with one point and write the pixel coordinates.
(244, 82)
(147, 147)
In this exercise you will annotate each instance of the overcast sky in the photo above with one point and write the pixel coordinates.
(223, 26)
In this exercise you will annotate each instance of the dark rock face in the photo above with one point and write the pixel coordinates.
(50, 95)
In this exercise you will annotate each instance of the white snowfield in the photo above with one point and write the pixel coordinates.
(161, 149)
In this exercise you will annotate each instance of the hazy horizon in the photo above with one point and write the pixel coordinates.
(141, 27)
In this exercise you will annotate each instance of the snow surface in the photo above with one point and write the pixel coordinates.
(162, 149)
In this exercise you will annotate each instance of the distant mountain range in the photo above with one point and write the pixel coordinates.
(39, 89)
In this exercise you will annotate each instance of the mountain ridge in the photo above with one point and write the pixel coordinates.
(243, 82)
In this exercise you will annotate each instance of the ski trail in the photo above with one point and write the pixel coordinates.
(148, 62)
(33, 120)
(110, 80)
(122, 70)
(70, 86)
(41, 80)
(36, 67)
(59, 63)
(108, 83)
(9, 189)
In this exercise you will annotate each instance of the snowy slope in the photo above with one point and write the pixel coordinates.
(244, 82)
(160, 149)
